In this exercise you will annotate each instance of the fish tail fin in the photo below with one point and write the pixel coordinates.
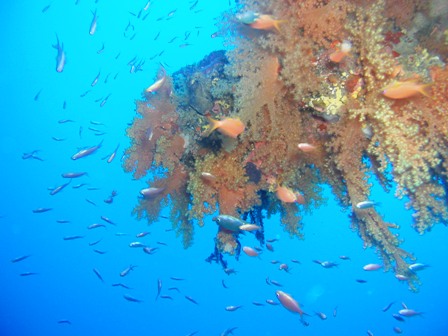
(425, 90)
(277, 24)
(213, 124)
(56, 46)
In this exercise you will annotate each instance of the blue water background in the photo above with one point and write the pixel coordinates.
(66, 287)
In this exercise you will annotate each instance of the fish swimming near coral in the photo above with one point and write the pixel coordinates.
(231, 127)
(234, 224)
(266, 22)
(344, 50)
(405, 89)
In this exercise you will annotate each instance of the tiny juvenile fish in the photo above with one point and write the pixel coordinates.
(131, 298)
(276, 283)
(120, 285)
(73, 174)
(272, 302)
(64, 322)
(385, 309)
(95, 80)
(36, 97)
(94, 243)
(189, 298)
(99, 252)
(98, 274)
(107, 220)
(58, 139)
(159, 287)
(93, 24)
(41, 210)
(72, 237)
(21, 258)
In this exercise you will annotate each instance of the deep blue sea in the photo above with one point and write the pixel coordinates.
(55, 291)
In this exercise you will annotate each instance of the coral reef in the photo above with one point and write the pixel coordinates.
(346, 79)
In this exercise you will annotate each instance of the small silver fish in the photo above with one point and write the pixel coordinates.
(61, 57)
(366, 204)
(87, 151)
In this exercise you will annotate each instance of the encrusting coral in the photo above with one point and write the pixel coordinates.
(342, 78)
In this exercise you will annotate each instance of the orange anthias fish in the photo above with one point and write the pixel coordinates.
(405, 89)
(228, 126)
(343, 51)
(287, 195)
(266, 22)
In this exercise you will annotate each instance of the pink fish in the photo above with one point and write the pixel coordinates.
(250, 251)
(289, 303)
